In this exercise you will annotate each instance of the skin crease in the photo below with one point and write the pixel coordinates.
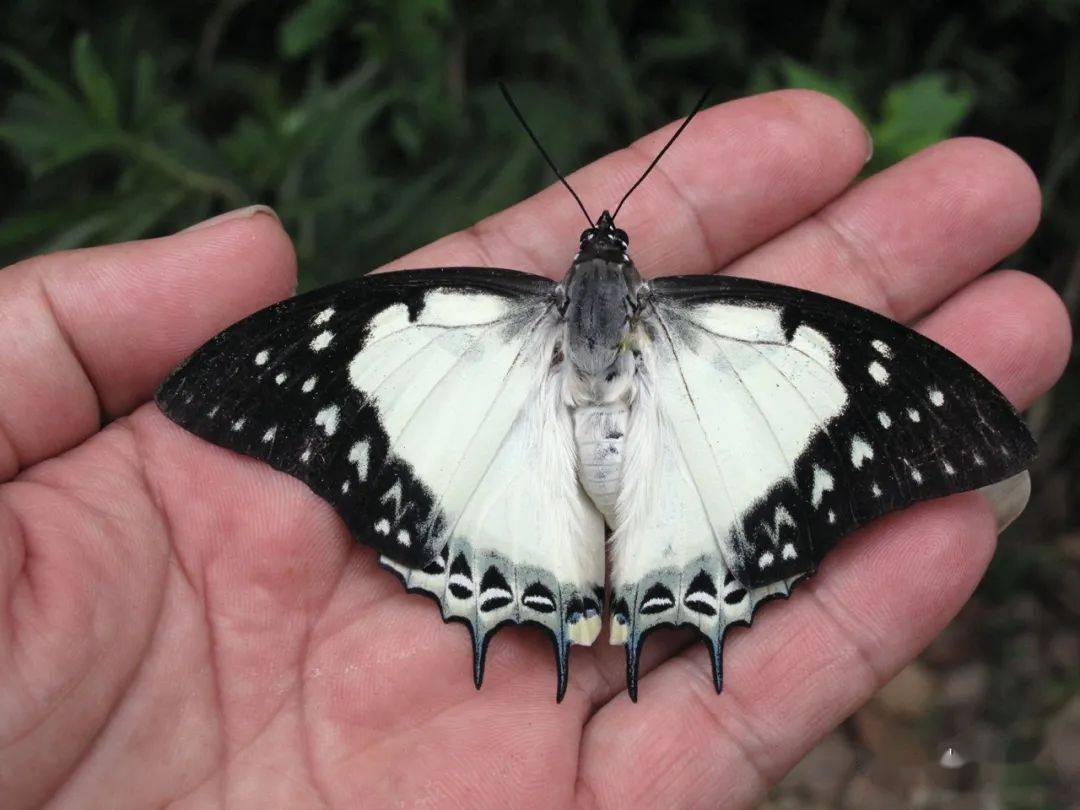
(180, 625)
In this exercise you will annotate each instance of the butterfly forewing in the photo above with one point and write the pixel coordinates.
(842, 415)
(278, 386)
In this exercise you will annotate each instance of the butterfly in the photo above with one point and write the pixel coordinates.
(491, 433)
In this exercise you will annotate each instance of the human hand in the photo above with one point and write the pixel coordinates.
(184, 625)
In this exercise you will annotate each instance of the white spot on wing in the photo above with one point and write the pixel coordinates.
(533, 600)
(449, 308)
(328, 419)
(813, 343)
(322, 340)
(788, 552)
(358, 455)
(262, 357)
(823, 482)
(344, 487)
(403, 538)
(656, 601)
(383, 526)
(280, 378)
(876, 490)
(309, 384)
(913, 415)
(239, 423)
(860, 451)
(461, 581)
(702, 598)
(306, 455)
(878, 372)
(885, 419)
(948, 468)
(323, 317)
(765, 560)
(496, 593)
(882, 348)
(937, 399)
(269, 435)
(832, 516)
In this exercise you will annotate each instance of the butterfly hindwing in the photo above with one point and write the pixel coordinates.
(667, 568)
(528, 548)
(791, 419)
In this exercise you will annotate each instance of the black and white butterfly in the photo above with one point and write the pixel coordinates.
(492, 432)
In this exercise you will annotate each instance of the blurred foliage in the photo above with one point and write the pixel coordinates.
(375, 127)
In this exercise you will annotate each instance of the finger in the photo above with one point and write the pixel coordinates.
(1012, 327)
(741, 172)
(878, 599)
(902, 240)
(977, 319)
(93, 331)
(801, 669)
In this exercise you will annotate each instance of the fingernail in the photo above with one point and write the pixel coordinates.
(869, 145)
(240, 213)
(1008, 498)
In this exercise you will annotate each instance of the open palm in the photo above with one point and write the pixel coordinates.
(183, 625)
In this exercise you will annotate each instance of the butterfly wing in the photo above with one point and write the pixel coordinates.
(791, 419)
(414, 403)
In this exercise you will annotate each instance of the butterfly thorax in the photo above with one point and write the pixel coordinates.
(600, 303)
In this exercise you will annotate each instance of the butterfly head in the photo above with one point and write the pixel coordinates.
(604, 241)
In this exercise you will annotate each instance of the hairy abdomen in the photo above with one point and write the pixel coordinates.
(599, 432)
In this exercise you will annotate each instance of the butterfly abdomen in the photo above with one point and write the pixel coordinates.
(600, 437)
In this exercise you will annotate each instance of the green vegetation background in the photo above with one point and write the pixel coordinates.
(375, 127)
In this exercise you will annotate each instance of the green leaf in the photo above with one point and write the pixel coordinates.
(37, 79)
(918, 113)
(93, 80)
(309, 25)
(144, 95)
(407, 134)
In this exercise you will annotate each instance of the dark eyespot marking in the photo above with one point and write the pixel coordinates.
(620, 611)
(735, 596)
(460, 578)
(539, 598)
(494, 591)
(592, 607)
(657, 600)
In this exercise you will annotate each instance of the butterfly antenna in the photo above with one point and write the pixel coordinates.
(671, 140)
(550, 162)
